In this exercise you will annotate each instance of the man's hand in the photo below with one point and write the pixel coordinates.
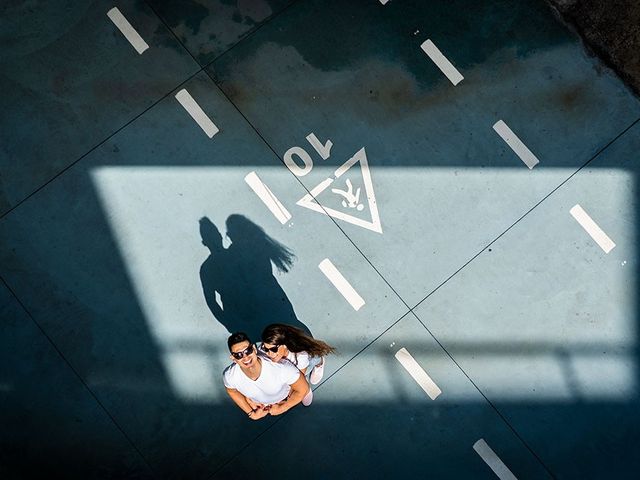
(259, 410)
(277, 408)
(298, 390)
(254, 405)
(259, 413)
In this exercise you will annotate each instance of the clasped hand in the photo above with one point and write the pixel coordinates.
(260, 410)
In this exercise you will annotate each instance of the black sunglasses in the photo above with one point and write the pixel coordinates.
(273, 349)
(243, 353)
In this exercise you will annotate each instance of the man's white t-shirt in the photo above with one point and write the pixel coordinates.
(272, 386)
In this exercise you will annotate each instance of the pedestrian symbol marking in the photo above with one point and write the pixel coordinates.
(350, 199)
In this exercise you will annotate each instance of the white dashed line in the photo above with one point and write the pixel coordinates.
(418, 373)
(341, 283)
(384, 2)
(494, 462)
(201, 118)
(127, 30)
(516, 144)
(442, 62)
(592, 228)
(267, 197)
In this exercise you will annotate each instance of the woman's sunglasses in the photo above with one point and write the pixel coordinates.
(243, 353)
(273, 349)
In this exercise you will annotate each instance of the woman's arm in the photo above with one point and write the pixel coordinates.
(302, 361)
(298, 390)
(243, 403)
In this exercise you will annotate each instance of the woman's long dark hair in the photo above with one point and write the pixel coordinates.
(295, 340)
(243, 231)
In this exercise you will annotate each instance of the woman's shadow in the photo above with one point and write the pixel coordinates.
(238, 282)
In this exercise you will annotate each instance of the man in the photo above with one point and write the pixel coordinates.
(257, 385)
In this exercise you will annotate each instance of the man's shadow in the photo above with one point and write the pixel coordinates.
(248, 295)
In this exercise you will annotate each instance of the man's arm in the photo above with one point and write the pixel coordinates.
(244, 405)
(298, 390)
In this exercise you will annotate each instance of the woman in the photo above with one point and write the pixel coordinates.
(285, 343)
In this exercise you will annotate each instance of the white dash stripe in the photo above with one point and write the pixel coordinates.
(494, 462)
(267, 197)
(201, 118)
(442, 62)
(418, 373)
(127, 30)
(384, 2)
(341, 283)
(520, 149)
(592, 228)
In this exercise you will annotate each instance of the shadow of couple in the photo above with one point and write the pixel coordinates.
(238, 282)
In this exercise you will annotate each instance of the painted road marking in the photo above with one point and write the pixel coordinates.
(494, 462)
(201, 118)
(442, 62)
(309, 201)
(418, 373)
(323, 150)
(267, 197)
(341, 283)
(516, 144)
(302, 154)
(384, 2)
(592, 228)
(127, 30)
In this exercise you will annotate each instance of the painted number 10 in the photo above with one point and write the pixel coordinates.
(305, 164)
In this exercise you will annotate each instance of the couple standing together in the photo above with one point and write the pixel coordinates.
(272, 379)
(243, 295)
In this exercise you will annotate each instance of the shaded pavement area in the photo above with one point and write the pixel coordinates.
(174, 171)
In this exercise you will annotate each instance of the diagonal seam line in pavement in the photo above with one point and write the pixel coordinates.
(79, 377)
(335, 223)
(81, 157)
(251, 33)
(129, 122)
(257, 132)
(255, 129)
(511, 427)
(504, 419)
(411, 310)
(601, 150)
(203, 69)
(96, 146)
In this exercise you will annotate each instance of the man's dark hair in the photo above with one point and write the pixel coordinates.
(237, 337)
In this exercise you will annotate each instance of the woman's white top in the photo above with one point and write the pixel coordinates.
(272, 386)
(300, 359)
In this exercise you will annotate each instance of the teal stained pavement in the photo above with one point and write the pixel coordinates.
(111, 195)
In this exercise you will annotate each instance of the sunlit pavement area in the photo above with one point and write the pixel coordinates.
(466, 168)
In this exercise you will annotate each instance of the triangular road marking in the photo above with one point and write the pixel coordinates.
(309, 201)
